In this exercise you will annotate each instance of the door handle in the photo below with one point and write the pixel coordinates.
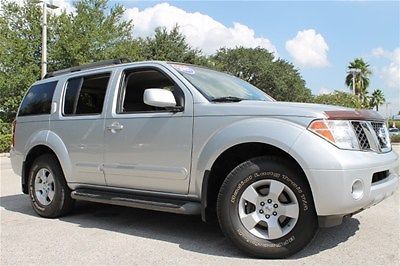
(114, 127)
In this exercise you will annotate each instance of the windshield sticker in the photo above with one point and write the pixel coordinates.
(184, 69)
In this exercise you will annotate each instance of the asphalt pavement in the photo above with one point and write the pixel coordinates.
(96, 234)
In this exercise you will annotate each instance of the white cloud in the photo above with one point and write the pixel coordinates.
(62, 5)
(378, 52)
(308, 49)
(324, 90)
(201, 31)
(391, 72)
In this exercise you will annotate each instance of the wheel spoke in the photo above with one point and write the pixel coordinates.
(250, 220)
(38, 186)
(40, 173)
(290, 210)
(50, 178)
(41, 196)
(274, 229)
(275, 189)
(251, 195)
(50, 194)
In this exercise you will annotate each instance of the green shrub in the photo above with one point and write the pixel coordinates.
(396, 122)
(339, 98)
(5, 128)
(395, 139)
(5, 143)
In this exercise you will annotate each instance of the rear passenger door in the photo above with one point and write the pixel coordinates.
(148, 148)
(80, 124)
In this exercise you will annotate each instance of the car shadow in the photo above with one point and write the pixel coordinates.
(189, 232)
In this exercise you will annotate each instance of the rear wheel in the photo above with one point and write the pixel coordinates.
(266, 208)
(49, 193)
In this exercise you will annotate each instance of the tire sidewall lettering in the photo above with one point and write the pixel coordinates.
(278, 176)
(264, 243)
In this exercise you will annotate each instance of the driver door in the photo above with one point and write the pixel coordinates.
(146, 147)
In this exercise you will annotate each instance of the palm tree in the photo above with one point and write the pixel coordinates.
(361, 78)
(377, 98)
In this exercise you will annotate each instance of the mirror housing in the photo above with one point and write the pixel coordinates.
(160, 98)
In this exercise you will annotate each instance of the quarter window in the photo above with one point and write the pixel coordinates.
(85, 95)
(38, 99)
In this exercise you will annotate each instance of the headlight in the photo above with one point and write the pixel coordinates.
(339, 132)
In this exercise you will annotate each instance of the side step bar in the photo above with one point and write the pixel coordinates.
(138, 201)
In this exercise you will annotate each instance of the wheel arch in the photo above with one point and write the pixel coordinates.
(227, 161)
(42, 143)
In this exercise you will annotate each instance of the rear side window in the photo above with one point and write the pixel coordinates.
(85, 95)
(38, 99)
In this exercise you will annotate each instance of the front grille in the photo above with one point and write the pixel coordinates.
(361, 136)
(380, 133)
(376, 177)
(372, 135)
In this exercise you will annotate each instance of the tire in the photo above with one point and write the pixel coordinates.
(237, 214)
(46, 178)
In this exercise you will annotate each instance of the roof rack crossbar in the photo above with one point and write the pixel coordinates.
(88, 66)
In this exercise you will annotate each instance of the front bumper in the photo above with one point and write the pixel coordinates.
(333, 188)
(331, 173)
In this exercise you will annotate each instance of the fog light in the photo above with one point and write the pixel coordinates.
(357, 189)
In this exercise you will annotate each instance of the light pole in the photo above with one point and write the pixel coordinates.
(354, 72)
(44, 33)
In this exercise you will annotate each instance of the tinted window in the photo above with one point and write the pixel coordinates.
(38, 99)
(85, 95)
(137, 82)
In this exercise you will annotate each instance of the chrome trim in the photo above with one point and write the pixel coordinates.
(372, 136)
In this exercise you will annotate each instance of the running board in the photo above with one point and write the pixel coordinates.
(138, 201)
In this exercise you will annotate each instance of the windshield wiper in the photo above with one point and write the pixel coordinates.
(227, 99)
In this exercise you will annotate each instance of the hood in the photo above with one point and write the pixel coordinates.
(261, 108)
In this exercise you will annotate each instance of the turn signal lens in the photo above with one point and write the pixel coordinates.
(320, 128)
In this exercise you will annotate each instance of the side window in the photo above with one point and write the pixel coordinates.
(38, 99)
(136, 82)
(85, 95)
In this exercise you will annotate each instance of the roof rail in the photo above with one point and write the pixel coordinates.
(88, 66)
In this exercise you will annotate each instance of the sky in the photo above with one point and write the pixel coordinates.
(319, 37)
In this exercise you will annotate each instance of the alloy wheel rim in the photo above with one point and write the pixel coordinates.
(44, 186)
(268, 209)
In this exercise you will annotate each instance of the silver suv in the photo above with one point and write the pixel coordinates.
(185, 139)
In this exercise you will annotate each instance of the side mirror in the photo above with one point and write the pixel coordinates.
(160, 98)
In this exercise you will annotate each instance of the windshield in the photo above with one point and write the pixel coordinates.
(218, 87)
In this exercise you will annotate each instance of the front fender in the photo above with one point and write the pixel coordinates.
(279, 133)
(54, 142)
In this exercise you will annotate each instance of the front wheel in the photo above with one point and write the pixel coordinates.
(266, 208)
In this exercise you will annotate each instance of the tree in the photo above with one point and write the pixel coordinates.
(276, 77)
(339, 98)
(170, 46)
(93, 33)
(20, 50)
(361, 79)
(377, 98)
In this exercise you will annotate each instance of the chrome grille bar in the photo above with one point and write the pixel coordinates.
(372, 135)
